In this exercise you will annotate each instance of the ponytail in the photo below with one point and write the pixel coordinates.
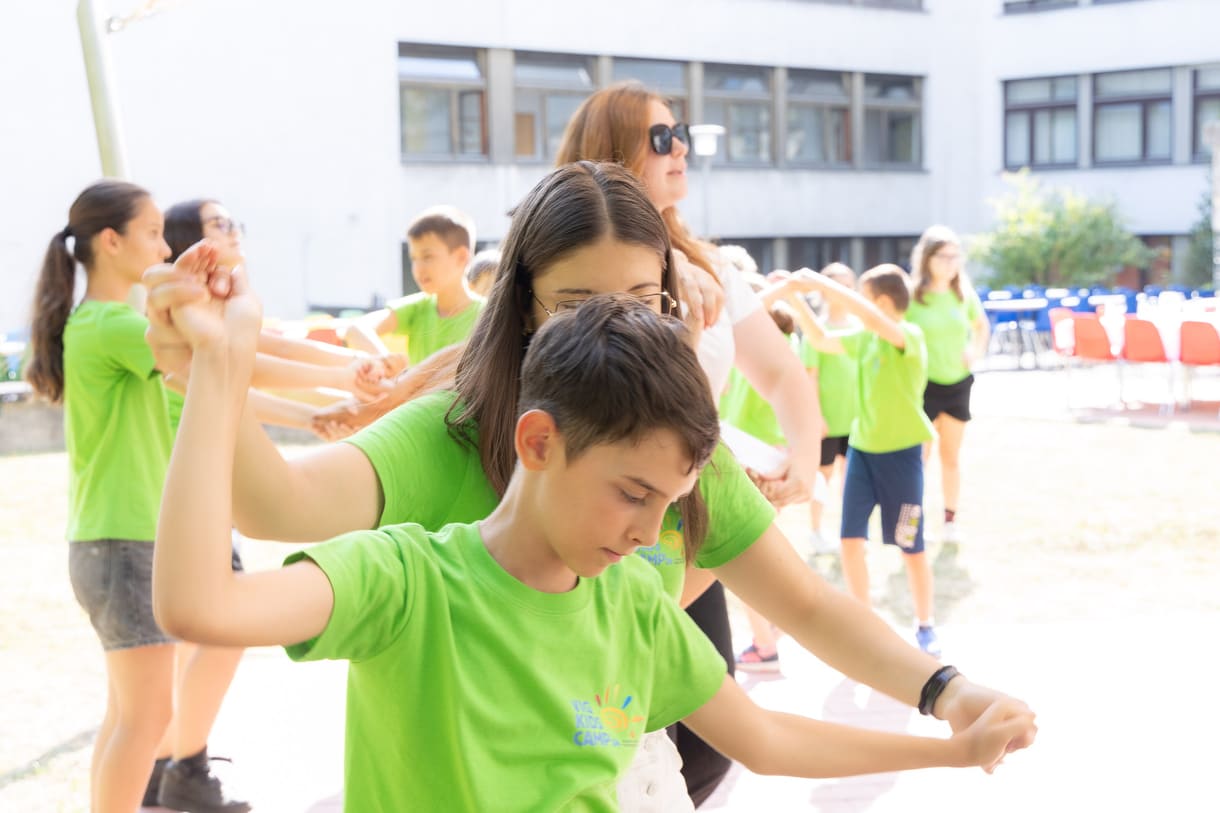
(107, 204)
(52, 304)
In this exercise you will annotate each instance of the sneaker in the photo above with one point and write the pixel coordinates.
(750, 660)
(821, 545)
(948, 534)
(154, 783)
(191, 785)
(927, 640)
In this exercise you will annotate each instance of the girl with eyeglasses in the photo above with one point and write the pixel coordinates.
(632, 125)
(446, 457)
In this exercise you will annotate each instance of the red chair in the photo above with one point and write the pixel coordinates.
(324, 334)
(1091, 345)
(1142, 344)
(1200, 348)
(1063, 337)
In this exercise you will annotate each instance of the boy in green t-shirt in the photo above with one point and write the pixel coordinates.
(885, 447)
(440, 242)
(549, 649)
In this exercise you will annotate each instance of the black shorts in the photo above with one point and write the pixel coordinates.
(951, 399)
(832, 448)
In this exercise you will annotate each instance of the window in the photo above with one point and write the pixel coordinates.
(739, 99)
(1132, 116)
(548, 89)
(891, 120)
(443, 102)
(818, 252)
(1207, 105)
(896, 250)
(1016, 6)
(819, 118)
(667, 78)
(1040, 122)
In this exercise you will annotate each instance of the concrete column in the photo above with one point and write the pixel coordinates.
(1183, 107)
(1084, 121)
(779, 250)
(857, 127)
(695, 100)
(603, 71)
(500, 105)
(857, 254)
(779, 116)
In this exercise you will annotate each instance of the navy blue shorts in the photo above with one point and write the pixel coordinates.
(893, 480)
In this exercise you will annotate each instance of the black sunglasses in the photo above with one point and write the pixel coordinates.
(661, 137)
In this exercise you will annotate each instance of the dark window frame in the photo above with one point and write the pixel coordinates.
(1145, 101)
(822, 102)
(1032, 109)
(456, 88)
(548, 90)
(887, 106)
(724, 155)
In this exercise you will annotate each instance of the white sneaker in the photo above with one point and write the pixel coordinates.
(949, 534)
(821, 545)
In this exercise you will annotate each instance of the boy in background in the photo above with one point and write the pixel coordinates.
(440, 241)
(481, 272)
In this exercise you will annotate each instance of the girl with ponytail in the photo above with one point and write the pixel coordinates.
(94, 360)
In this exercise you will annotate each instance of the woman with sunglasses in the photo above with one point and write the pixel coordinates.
(434, 461)
(632, 125)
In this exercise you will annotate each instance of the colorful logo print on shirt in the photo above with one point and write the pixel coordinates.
(607, 722)
(669, 550)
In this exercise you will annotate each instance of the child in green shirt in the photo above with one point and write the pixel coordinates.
(440, 242)
(550, 650)
(885, 454)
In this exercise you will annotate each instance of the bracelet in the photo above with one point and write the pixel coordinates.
(932, 689)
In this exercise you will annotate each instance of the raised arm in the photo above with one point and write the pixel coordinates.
(771, 742)
(868, 313)
(812, 328)
(196, 594)
(365, 333)
(331, 490)
(305, 350)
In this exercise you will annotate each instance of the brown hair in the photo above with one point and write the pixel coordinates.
(107, 204)
(574, 206)
(931, 241)
(184, 225)
(612, 125)
(615, 370)
(783, 319)
(453, 227)
(889, 280)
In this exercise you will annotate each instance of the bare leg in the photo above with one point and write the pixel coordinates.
(764, 633)
(143, 683)
(205, 678)
(919, 577)
(950, 430)
(104, 733)
(855, 568)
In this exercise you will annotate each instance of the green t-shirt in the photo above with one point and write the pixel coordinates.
(174, 401)
(743, 407)
(890, 386)
(837, 387)
(946, 324)
(426, 332)
(429, 477)
(469, 691)
(115, 425)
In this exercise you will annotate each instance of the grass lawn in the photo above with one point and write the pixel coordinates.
(1060, 521)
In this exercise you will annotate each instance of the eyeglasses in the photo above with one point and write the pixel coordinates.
(661, 137)
(226, 225)
(661, 302)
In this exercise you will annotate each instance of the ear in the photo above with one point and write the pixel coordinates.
(462, 254)
(537, 440)
(106, 241)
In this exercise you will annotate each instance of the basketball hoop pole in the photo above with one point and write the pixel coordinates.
(96, 52)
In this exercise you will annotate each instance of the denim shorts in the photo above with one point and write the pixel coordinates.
(893, 480)
(112, 580)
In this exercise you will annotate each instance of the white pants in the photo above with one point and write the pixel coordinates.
(654, 783)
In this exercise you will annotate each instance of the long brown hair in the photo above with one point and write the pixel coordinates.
(184, 225)
(107, 204)
(931, 241)
(612, 125)
(574, 206)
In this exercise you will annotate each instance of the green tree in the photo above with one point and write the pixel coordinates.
(1198, 265)
(1055, 237)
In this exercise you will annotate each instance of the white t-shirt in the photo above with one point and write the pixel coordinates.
(717, 349)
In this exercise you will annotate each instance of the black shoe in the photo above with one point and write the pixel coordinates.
(154, 783)
(191, 785)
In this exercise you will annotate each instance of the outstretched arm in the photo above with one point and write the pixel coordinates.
(868, 313)
(365, 333)
(305, 350)
(771, 742)
(811, 327)
(196, 594)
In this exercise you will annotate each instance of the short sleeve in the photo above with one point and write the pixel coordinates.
(373, 575)
(405, 313)
(810, 358)
(853, 342)
(738, 513)
(125, 342)
(740, 301)
(691, 671)
(915, 351)
(974, 306)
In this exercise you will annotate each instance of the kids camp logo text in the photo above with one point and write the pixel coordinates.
(669, 550)
(608, 721)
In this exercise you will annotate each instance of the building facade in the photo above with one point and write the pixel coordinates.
(851, 125)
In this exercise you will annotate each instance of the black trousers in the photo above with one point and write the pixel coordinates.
(703, 766)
